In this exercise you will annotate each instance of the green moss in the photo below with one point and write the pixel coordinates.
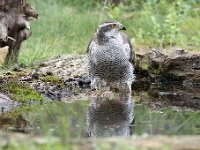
(20, 93)
(51, 79)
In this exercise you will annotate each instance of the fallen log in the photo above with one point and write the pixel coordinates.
(178, 66)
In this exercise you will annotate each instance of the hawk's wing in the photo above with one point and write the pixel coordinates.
(129, 48)
(92, 50)
(93, 39)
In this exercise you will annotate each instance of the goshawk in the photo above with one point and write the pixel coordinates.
(110, 56)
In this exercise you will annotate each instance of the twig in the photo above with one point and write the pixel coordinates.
(11, 38)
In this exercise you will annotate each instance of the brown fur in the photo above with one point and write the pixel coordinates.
(14, 15)
(15, 25)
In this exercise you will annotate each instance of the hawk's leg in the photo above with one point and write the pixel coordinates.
(93, 84)
(114, 87)
(125, 90)
(98, 85)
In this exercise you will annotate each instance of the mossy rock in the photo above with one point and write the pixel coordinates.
(51, 79)
(20, 93)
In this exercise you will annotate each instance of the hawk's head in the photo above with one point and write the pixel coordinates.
(110, 29)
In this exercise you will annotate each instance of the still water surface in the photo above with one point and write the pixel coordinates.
(108, 118)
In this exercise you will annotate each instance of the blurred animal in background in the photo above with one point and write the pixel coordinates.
(111, 57)
(29, 11)
(15, 26)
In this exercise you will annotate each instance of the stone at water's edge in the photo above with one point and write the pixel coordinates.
(6, 103)
(55, 79)
(67, 67)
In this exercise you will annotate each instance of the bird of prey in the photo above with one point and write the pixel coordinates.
(110, 56)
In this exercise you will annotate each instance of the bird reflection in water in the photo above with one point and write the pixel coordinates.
(110, 117)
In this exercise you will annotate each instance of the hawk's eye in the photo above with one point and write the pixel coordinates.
(113, 26)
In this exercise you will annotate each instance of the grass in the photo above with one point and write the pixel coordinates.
(65, 27)
(59, 30)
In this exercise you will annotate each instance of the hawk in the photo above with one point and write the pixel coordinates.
(110, 56)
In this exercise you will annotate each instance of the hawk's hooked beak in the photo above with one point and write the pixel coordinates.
(123, 28)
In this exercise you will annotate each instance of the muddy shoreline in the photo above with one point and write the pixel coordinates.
(62, 78)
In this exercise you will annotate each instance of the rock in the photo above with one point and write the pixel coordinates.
(6, 103)
(66, 67)
(84, 82)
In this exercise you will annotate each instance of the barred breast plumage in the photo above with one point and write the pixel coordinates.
(110, 63)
